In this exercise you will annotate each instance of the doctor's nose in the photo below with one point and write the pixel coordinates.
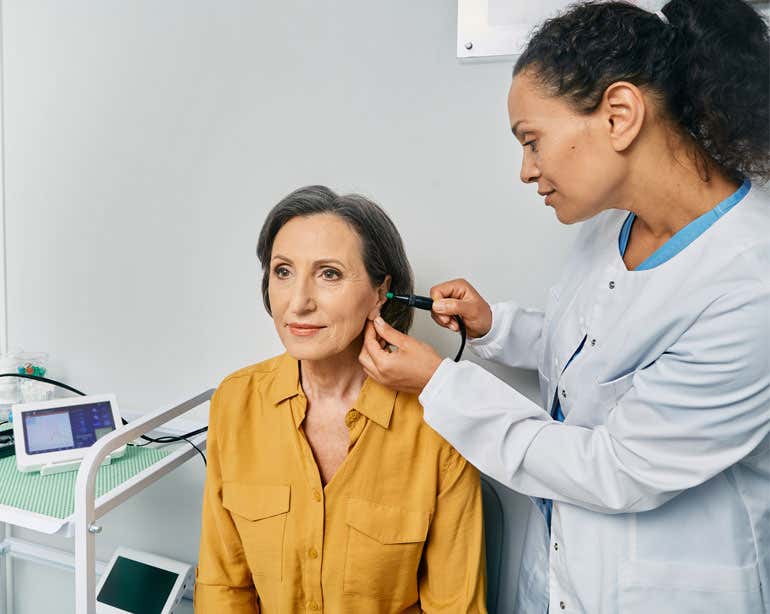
(529, 171)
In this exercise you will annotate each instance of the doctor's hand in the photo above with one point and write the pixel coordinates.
(406, 368)
(459, 298)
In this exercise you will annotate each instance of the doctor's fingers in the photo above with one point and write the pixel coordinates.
(374, 353)
(455, 288)
(374, 346)
(444, 321)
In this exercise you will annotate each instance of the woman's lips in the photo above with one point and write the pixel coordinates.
(303, 330)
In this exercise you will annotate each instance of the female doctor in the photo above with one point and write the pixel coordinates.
(650, 457)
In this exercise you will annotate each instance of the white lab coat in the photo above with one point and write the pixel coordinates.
(660, 473)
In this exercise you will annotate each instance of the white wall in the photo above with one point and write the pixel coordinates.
(145, 142)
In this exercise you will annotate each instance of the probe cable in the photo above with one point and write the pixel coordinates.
(426, 303)
(161, 440)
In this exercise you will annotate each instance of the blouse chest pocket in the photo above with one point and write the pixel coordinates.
(259, 513)
(384, 550)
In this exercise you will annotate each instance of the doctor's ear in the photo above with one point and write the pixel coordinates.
(623, 107)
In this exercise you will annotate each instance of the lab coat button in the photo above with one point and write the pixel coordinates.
(562, 605)
(563, 393)
(612, 285)
(593, 342)
(556, 546)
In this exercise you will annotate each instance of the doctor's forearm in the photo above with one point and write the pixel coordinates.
(515, 338)
(512, 439)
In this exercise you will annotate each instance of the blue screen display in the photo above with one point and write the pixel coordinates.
(66, 428)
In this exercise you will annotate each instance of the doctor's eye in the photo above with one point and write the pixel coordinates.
(531, 144)
(330, 274)
(281, 271)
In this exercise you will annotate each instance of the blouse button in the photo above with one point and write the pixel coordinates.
(312, 605)
(351, 418)
(316, 494)
(312, 553)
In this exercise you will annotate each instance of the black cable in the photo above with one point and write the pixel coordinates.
(426, 303)
(203, 456)
(463, 335)
(161, 440)
(44, 379)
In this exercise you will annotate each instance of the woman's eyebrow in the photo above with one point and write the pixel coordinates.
(329, 261)
(315, 263)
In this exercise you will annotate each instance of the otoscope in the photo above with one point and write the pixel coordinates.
(426, 303)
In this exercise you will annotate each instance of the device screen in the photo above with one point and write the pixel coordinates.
(137, 587)
(66, 428)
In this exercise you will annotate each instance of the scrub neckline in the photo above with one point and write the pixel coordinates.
(684, 237)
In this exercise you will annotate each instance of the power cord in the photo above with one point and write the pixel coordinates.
(160, 440)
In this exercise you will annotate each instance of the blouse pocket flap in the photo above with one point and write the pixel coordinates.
(386, 524)
(255, 501)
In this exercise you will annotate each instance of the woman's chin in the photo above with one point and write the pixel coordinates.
(309, 350)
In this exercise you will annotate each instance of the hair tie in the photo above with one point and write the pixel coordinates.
(662, 16)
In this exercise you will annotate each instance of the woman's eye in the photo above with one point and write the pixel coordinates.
(330, 274)
(531, 144)
(281, 272)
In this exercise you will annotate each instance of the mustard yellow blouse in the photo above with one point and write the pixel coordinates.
(397, 529)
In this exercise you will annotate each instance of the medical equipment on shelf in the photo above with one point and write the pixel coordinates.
(54, 436)
(7, 446)
(141, 583)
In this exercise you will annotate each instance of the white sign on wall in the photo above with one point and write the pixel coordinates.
(490, 28)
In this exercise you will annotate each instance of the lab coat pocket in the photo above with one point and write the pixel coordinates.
(609, 392)
(384, 550)
(259, 512)
(680, 587)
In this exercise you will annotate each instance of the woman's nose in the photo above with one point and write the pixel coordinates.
(302, 299)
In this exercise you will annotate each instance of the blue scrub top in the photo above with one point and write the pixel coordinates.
(665, 252)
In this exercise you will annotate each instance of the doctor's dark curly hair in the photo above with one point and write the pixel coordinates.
(381, 247)
(709, 67)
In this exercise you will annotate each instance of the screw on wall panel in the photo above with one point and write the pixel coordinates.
(94, 529)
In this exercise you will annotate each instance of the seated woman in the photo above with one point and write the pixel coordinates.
(326, 491)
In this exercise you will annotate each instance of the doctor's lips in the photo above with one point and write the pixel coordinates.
(547, 196)
(303, 330)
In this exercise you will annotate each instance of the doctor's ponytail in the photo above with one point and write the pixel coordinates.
(708, 62)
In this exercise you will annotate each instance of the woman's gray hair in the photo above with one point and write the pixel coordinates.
(382, 249)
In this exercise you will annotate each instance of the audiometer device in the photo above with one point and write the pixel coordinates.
(141, 583)
(54, 436)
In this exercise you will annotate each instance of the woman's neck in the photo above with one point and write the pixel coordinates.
(337, 377)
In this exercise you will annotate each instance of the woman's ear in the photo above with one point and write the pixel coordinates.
(382, 296)
(623, 107)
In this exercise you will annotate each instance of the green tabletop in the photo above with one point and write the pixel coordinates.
(54, 495)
